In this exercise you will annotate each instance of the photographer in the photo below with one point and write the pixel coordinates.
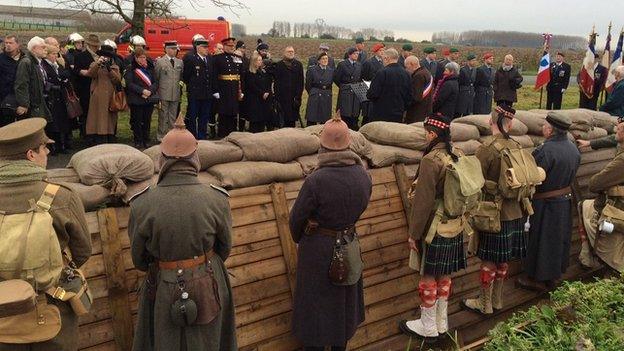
(101, 123)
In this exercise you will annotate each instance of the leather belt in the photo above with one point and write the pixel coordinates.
(312, 228)
(553, 193)
(229, 77)
(186, 264)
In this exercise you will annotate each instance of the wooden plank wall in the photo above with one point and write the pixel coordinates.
(263, 264)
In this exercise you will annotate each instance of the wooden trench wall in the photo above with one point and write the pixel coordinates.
(263, 265)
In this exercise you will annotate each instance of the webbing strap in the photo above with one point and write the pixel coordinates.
(436, 220)
(46, 199)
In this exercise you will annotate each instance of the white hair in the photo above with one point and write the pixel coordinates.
(453, 67)
(35, 41)
(392, 54)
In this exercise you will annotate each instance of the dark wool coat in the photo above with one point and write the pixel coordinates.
(82, 60)
(178, 219)
(256, 85)
(29, 87)
(8, 70)
(465, 102)
(483, 90)
(615, 102)
(57, 84)
(548, 250)
(319, 87)
(135, 85)
(313, 61)
(559, 77)
(323, 313)
(371, 67)
(506, 84)
(420, 106)
(389, 94)
(348, 73)
(446, 100)
(288, 87)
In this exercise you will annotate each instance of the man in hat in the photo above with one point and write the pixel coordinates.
(450, 55)
(359, 46)
(323, 49)
(389, 91)
(559, 80)
(548, 249)
(422, 89)
(263, 50)
(467, 78)
(168, 72)
(600, 77)
(9, 58)
(82, 61)
(181, 231)
(373, 64)
(23, 180)
(30, 82)
(483, 86)
(198, 75)
(228, 68)
(429, 62)
(288, 86)
(406, 51)
(348, 72)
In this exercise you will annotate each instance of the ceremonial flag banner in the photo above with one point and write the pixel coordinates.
(616, 61)
(543, 73)
(586, 82)
(606, 56)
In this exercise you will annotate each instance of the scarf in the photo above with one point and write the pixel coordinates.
(21, 171)
(439, 86)
(330, 158)
(93, 54)
(507, 68)
(187, 166)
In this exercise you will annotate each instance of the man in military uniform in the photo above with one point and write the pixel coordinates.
(373, 64)
(559, 80)
(23, 159)
(430, 62)
(348, 72)
(181, 234)
(168, 72)
(600, 77)
(199, 77)
(548, 249)
(359, 46)
(227, 86)
(483, 86)
(323, 49)
(467, 78)
(406, 51)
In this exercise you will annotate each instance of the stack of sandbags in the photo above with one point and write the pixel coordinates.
(534, 122)
(210, 153)
(112, 166)
(67, 175)
(394, 143)
(605, 121)
(482, 122)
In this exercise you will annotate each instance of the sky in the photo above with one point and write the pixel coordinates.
(416, 19)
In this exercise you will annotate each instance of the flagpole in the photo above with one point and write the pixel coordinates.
(602, 90)
(541, 93)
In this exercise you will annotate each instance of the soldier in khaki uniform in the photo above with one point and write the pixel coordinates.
(23, 158)
(168, 73)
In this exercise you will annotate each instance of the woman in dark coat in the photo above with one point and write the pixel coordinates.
(334, 196)
(142, 90)
(258, 95)
(447, 91)
(57, 81)
(319, 87)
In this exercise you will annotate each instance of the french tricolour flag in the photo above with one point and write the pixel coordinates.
(586, 82)
(615, 61)
(543, 73)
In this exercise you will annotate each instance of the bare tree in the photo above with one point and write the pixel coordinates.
(134, 12)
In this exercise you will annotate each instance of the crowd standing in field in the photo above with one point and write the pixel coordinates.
(508, 196)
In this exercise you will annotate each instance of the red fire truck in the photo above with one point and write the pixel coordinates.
(157, 31)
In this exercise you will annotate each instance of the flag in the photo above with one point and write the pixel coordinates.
(615, 61)
(543, 73)
(586, 82)
(606, 56)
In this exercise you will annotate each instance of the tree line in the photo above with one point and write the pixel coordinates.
(320, 29)
(495, 38)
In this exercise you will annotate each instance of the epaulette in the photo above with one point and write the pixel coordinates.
(220, 189)
(138, 194)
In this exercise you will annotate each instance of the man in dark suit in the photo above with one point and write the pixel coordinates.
(323, 49)
(600, 77)
(389, 91)
(559, 80)
(483, 86)
(430, 62)
(198, 77)
(348, 72)
(288, 86)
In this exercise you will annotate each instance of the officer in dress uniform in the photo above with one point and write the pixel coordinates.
(227, 74)
(168, 72)
(467, 78)
(198, 77)
(559, 80)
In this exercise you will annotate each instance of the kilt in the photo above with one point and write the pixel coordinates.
(508, 245)
(444, 255)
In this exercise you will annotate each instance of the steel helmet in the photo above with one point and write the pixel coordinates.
(74, 37)
(197, 37)
(110, 43)
(137, 40)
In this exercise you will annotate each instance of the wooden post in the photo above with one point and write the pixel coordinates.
(116, 278)
(280, 205)
(541, 94)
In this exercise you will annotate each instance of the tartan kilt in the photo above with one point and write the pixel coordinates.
(444, 255)
(508, 245)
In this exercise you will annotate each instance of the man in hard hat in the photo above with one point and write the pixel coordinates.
(75, 44)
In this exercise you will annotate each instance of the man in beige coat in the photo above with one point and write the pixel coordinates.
(169, 74)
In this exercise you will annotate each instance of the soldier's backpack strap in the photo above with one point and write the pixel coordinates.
(220, 189)
(46, 199)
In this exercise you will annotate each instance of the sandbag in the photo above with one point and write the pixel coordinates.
(282, 145)
(525, 141)
(111, 165)
(537, 139)
(533, 121)
(210, 153)
(92, 196)
(459, 131)
(386, 155)
(68, 175)
(482, 122)
(541, 112)
(359, 144)
(469, 147)
(581, 127)
(605, 121)
(250, 173)
(395, 134)
(308, 163)
(154, 153)
(594, 133)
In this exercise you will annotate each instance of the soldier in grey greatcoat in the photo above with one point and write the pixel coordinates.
(467, 77)
(483, 86)
(169, 75)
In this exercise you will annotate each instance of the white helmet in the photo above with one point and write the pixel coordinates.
(110, 43)
(137, 40)
(197, 37)
(74, 37)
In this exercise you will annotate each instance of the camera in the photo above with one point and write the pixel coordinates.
(106, 63)
(606, 227)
